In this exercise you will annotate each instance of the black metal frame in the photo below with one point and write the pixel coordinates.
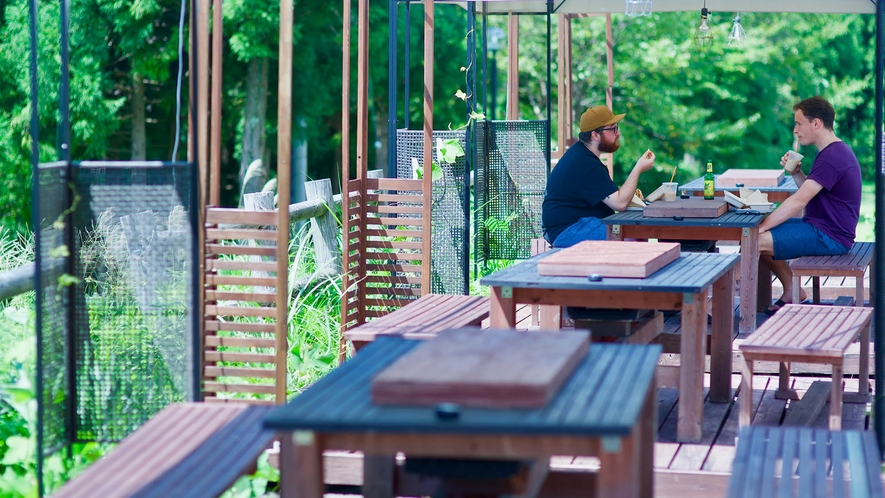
(193, 381)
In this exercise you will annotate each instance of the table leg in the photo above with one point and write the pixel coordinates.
(746, 397)
(763, 288)
(618, 474)
(301, 465)
(692, 350)
(551, 317)
(720, 341)
(836, 399)
(749, 274)
(863, 383)
(378, 471)
(502, 314)
(649, 434)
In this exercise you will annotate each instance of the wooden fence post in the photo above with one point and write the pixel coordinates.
(324, 229)
(260, 201)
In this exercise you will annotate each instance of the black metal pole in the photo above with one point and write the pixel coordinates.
(35, 222)
(485, 61)
(549, 62)
(196, 386)
(392, 39)
(65, 156)
(408, 41)
(469, 139)
(875, 277)
(493, 95)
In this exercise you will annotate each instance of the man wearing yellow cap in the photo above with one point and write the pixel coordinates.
(579, 190)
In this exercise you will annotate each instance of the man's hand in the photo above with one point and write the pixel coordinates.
(646, 161)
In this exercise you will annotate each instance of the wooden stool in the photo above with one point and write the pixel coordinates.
(808, 334)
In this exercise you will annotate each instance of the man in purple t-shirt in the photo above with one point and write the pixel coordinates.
(830, 195)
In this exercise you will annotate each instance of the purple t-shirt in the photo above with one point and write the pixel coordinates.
(836, 208)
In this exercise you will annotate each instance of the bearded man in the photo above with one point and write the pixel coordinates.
(580, 191)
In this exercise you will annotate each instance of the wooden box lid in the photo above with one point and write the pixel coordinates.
(689, 208)
(486, 369)
(751, 177)
(610, 259)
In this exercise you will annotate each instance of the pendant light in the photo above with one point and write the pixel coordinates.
(737, 34)
(702, 35)
(638, 8)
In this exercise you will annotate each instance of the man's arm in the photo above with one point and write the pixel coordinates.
(793, 205)
(620, 199)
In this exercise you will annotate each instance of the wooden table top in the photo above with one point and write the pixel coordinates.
(692, 272)
(730, 219)
(788, 184)
(598, 399)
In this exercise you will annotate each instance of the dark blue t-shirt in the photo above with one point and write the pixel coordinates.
(836, 208)
(575, 190)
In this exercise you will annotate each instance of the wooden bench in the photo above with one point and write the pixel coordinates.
(808, 334)
(424, 318)
(190, 449)
(851, 264)
(802, 462)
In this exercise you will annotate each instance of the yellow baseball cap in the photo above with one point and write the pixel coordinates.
(597, 117)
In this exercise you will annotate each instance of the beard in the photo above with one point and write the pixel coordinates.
(608, 145)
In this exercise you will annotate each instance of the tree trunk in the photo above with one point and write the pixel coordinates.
(139, 135)
(254, 115)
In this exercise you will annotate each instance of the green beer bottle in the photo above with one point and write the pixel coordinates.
(709, 182)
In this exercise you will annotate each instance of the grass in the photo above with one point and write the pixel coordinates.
(866, 226)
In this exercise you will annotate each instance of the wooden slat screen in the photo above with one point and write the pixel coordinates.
(240, 315)
(384, 241)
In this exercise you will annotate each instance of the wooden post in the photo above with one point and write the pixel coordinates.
(512, 66)
(345, 171)
(284, 174)
(323, 229)
(428, 147)
(259, 201)
(215, 142)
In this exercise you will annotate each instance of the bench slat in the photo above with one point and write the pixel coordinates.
(157, 446)
(856, 260)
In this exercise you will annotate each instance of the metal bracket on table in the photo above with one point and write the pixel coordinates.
(507, 292)
(745, 232)
(616, 229)
(302, 438)
(611, 444)
(687, 298)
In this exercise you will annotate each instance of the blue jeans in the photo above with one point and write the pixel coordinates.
(581, 230)
(794, 238)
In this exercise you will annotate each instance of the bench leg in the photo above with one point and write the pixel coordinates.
(746, 401)
(797, 289)
(783, 384)
(863, 384)
(858, 291)
(763, 288)
(836, 399)
(815, 290)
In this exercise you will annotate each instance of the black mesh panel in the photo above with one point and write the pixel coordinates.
(54, 327)
(448, 257)
(511, 175)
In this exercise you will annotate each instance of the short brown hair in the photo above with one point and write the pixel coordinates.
(817, 107)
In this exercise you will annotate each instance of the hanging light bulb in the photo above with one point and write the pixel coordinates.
(702, 36)
(737, 34)
(638, 7)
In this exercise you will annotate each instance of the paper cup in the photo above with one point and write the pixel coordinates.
(793, 159)
(670, 191)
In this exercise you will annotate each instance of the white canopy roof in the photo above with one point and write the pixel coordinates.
(715, 6)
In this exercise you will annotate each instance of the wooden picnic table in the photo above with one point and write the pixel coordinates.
(595, 413)
(785, 189)
(681, 285)
(729, 226)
